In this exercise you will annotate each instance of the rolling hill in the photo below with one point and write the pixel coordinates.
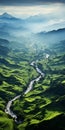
(43, 107)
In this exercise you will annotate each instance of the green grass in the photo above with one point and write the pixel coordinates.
(6, 124)
(34, 121)
(45, 101)
(51, 114)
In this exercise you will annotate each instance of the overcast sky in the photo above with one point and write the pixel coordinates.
(22, 11)
(22, 8)
(25, 8)
(27, 2)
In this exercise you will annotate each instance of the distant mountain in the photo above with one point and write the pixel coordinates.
(4, 42)
(6, 16)
(4, 47)
(38, 23)
(11, 26)
(61, 30)
(53, 36)
(37, 18)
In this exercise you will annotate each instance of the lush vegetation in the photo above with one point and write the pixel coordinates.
(44, 106)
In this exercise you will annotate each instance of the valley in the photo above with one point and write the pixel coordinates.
(32, 78)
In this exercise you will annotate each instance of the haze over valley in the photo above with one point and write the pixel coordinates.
(32, 65)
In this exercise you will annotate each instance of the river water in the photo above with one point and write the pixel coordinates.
(30, 87)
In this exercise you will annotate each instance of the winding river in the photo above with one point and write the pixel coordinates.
(9, 104)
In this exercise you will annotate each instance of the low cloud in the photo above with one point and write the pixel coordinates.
(56, 10)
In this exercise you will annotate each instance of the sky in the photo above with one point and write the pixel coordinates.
(30, 10)
(27, 2)
(23, 8)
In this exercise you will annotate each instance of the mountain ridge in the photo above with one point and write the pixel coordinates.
(7, 16)
(52, 31)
